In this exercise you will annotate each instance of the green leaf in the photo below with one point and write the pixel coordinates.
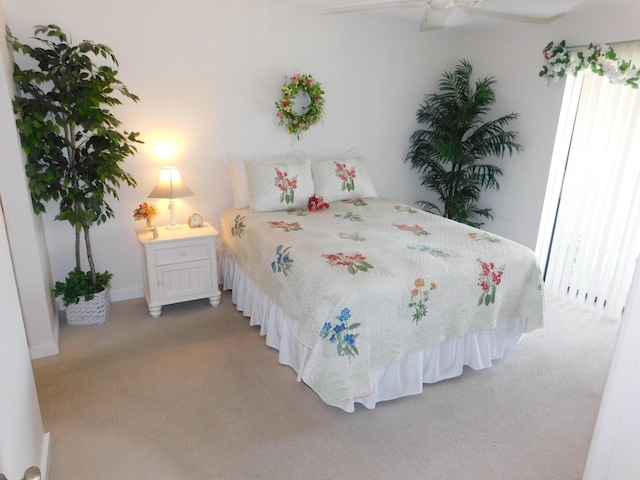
(456, 138)
(73, 148)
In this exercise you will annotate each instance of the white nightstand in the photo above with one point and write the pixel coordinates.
(180, 265)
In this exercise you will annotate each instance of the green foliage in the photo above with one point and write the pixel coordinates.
(448, 152)
(72, 141)
(79, 284)
(602, 60)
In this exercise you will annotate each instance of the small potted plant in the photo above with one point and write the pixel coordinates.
(74, 148)
(146, 211)
(87, 303)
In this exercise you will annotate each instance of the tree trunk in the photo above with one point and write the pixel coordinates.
(92, 267)
(78, 263)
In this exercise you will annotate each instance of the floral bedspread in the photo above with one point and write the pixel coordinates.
(370, 281)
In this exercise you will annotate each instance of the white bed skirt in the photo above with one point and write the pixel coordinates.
(403, 377)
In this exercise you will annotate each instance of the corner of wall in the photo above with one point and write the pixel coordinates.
(27, 244)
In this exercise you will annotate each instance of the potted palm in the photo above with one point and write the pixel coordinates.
(450, 150)
(74, 148)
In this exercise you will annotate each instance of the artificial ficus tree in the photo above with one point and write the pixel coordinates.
(72, 140)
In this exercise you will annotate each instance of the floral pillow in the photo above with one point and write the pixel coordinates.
(342, 179)
(279, 186)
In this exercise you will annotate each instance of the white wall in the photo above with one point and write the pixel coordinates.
(614, 448)
(209, 72)
(23, 442)
(25, 230)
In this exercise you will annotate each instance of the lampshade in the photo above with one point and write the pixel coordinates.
(170, 185)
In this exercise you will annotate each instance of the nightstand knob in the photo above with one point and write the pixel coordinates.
(183, 254)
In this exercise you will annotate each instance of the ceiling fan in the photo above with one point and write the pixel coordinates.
(438, 11)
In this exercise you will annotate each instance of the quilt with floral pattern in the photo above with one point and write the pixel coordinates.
(371, 280)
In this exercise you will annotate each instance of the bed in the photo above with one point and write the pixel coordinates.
(370, 299)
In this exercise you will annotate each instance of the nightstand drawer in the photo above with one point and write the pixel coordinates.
(183, 253)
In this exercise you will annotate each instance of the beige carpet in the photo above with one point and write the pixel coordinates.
(196, 394)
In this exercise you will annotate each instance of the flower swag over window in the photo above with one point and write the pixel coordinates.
(599, 58)
(298, 85)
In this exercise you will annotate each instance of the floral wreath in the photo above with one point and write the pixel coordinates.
(600, 59)
(312, 114)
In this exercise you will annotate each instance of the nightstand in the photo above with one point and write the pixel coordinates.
(179, 266)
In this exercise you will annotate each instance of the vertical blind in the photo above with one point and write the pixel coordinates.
(591, 226)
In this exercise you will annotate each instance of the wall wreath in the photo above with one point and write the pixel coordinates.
(297, 123)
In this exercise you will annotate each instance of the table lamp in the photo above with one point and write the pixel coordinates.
(170, 185)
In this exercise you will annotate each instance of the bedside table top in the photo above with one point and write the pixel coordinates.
(166, 235)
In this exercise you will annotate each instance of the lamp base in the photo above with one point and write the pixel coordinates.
(173, 225)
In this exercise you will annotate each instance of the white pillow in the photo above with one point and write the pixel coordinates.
(342, 179)
(239, 185)
(279, 186)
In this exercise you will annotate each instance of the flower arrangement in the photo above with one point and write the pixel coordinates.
(356, 237)
(342, 334)
(355, 263)
(346, 175)
(356, 202)
(405, 208)
(415, 229)
(352, 217)
(599, 58)
(145, 211)
(286, 226)
(298, 123)
(488, 280)
(419, 298)
(238, 226)
(286, 185)
(283, 261)
(316, 203)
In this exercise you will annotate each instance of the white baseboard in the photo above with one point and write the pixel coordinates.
(42, 351)
(119, 295)
(45, 461)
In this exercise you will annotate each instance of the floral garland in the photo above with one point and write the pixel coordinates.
(312, 114)
(600, 59)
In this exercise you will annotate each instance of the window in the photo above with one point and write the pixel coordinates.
(589, 235)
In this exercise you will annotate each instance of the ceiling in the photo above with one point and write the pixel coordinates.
(469, 18)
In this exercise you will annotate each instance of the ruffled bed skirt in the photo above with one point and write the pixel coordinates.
(403, 377)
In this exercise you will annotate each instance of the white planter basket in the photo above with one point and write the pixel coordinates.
(91, 312)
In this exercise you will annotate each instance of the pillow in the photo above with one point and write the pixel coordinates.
(342, 179)
(279, 186)
(239, 185)
(237, 172)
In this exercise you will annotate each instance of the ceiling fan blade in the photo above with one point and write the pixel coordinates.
(514, 17)
(434, 18)
(359, 7)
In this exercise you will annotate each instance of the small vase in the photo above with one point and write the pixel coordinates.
(149, 223)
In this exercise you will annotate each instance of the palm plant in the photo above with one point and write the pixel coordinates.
(447, 153)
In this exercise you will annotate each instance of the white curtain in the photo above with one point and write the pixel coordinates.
(591, 218)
